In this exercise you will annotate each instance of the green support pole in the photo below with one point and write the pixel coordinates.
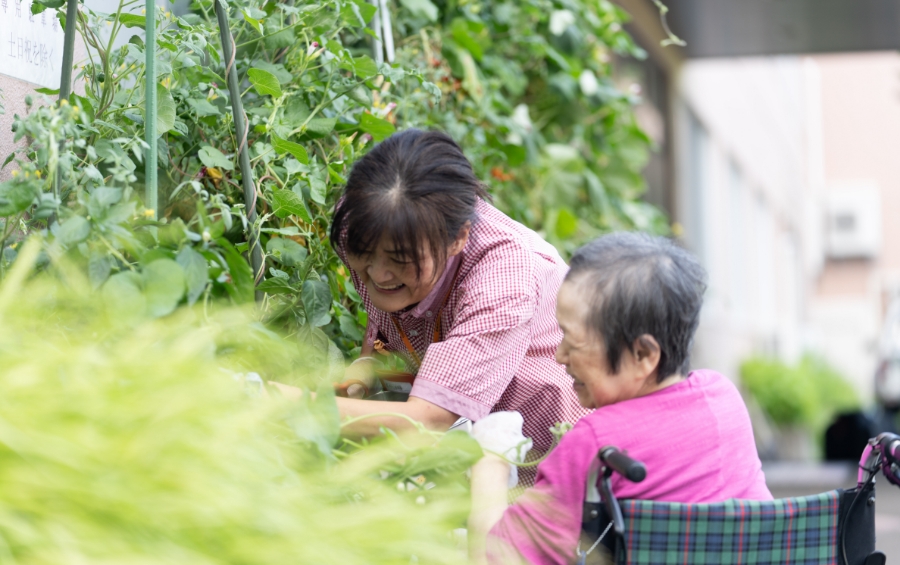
(151, 199)
(65, 79)
(241, 131)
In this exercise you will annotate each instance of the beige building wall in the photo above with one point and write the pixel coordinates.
(861, 147)
(743, 159)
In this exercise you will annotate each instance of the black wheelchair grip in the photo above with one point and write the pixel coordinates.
(631, 469)
(890, 445)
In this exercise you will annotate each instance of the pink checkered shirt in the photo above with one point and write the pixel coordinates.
(500, 331)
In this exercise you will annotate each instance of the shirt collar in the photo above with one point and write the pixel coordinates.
(428, 307)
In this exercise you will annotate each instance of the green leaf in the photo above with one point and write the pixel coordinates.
(105, 196)
(361, 96)
(196, 272)
(350, 328)
(253, 21)
(281, 73)
(472, 36)
(566, 224)
(242, 283)
(133, 20)
(85, 104)
(295, 112)
(48, 91)
(16, 196)
(283, 146)
(72, 231)
(163, 286)
(212, 157)
(363, 66)
(281, 39)
(165, 110)
(123, 297)
(422, 8)
(316, 297)
(317, 187)
(376, 127)
(335, 175)
(202, 107)
(286, 251)
(286, 203)
(317, 419)
(264, 82)
(464, 444)
(38, 7)
(320, 127)
(276, 285)
(99, 267)
(357, 13)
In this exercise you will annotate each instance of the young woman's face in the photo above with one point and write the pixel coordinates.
(391, 279)
(583, 353)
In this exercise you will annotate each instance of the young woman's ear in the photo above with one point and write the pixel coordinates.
(647, 354)
(461, 238)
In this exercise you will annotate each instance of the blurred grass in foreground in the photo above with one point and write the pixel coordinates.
(124, 441)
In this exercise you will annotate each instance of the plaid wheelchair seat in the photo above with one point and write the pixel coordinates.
(801, 531)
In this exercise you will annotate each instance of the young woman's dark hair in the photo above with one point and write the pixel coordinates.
(415, 187)
(639, 284)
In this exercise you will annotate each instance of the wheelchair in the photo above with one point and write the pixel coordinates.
(835, 528)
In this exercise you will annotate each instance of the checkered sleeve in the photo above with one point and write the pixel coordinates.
(470, 369)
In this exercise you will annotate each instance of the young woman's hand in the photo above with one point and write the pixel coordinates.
(362, 370)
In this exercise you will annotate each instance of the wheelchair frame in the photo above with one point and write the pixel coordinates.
(851, 543)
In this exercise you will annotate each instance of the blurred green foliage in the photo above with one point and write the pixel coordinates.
(808, 393)
(525, 87)
(127, 440)
(124, 436)
(528, 92)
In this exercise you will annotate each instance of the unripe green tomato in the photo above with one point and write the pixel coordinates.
(101, 77)
(28, 100)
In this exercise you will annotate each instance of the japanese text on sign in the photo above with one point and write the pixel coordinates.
(31, 46)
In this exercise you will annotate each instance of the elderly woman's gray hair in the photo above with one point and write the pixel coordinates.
(636, 284)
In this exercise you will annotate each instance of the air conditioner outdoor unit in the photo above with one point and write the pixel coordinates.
(853, 220)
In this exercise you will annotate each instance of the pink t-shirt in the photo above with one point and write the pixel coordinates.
(694, 437)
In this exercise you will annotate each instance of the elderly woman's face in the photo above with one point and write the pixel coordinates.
(583, 353)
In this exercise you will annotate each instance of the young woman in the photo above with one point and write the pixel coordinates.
(459, 290)
(628, 309)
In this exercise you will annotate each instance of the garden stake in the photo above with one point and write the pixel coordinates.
(242, 131)
(377, 49)
(151, 198)
(65, 80)
(387, 32)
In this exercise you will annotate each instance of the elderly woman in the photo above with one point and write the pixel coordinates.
(628, 309)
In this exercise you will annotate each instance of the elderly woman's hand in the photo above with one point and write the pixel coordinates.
(501, 433)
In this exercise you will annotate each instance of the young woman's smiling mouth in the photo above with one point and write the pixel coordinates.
(387, 289)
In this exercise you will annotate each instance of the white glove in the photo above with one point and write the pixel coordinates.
(501, 433)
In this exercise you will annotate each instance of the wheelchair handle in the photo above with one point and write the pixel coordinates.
(890, 447)
(615, 459)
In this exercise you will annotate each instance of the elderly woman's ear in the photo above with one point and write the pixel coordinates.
(646, 353)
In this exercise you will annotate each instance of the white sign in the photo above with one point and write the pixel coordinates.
(31, 46)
